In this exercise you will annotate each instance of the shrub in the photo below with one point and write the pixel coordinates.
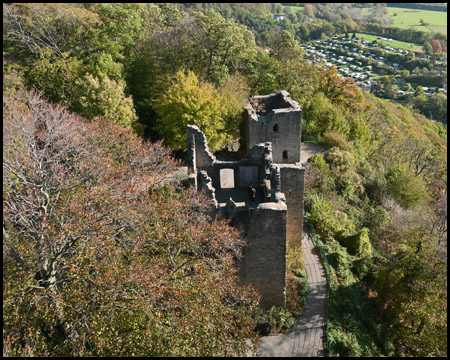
(273, 320)
(318, 161)
(302, 283)
(359, 244)
(326, 216)
(340, 260)
(344, 344)
(333, 138)
(364, 268)
(341, 159)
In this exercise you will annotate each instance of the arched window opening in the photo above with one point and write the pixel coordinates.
(285, 155)
(275, 128)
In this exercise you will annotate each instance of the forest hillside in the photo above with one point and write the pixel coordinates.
(103, 256)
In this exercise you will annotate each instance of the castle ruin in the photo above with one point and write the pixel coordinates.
(272, 137)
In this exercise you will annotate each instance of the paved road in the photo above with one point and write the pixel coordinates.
(305, 338)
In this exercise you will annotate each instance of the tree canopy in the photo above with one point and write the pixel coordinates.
(101, 256)
(104, 257)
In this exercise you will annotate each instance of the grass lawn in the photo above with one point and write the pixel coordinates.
(297, 8)
(394, 43)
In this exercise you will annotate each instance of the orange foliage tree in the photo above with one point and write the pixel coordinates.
(101, 255)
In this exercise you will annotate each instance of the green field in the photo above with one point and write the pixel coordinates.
(410, 18)
(407, 18)
(297, 8)
(394, 43)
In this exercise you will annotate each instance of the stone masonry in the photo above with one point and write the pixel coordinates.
(272, 166)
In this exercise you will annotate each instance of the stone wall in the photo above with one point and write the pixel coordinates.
(273, 127)
(280, 123)
(292, 185)
(204, 184)
(264, 256)
(199, 154)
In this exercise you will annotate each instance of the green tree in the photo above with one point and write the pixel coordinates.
(320, 116)
(122, 23)
(262, 76)
(233, 93)
(292, 73)
(105, 98)
(437, 107)
(188, 102)
(428, 48)
(405, 74)
(419, 91)
(388, 89)
(56, 78)
(413, 286)
(224, 46)
(407, 189)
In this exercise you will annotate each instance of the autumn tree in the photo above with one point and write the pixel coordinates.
(309, 10)
(101, 255)
(189, 102)
(436, 45)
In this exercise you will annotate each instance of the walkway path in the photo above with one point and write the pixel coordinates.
(305, 338)
(309, 149)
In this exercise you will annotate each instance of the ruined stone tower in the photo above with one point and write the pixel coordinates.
(278, 119)
(272, 167)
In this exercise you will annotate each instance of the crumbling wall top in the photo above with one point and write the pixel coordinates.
(201, 155)
(277, 102)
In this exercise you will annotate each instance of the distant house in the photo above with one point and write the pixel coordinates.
(279, 17)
